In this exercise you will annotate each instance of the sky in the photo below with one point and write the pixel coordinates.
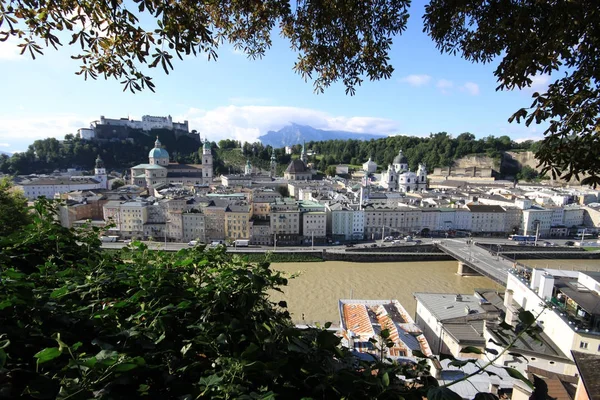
(241, 99)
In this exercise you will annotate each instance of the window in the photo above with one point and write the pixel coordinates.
(583, 345)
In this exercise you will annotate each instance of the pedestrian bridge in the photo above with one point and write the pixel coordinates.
(473, 260)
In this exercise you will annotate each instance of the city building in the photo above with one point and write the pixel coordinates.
(346, 222)
(567, 302)
(194, 227)
(297, 171)
(588, 369)
(362, 320)
(285, 222)
(453, 322)
(237, 221)
(147, 123)
(159, 172)
(399, 178)
(487, 218)
(52, 186)
(370, 167)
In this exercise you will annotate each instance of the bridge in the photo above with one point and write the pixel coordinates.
(473, 259)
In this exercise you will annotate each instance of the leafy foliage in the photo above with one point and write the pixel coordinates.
(13, 208)
(342, 40)
(535, 39)
(80, 323)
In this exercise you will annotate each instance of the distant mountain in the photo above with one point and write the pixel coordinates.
(296, 134)
(5, 152)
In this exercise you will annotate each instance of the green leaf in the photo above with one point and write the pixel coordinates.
(49, 353)
(385, 379)
(250, 350)
(4, 343)
(518, 355)
(59, 292)
(2, 358)
(445, 357)
(491, 351)
(471, 349)
(418, 353)
(526, 317)
(125, 367)
(4, 304)
(327, 325)
(459, 363)
(211, 380)
(442, 393)
(517, 375)
(385, 333)
(76, 346)
(185, 348)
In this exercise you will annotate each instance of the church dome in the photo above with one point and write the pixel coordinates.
(400, 158)
(158, 151)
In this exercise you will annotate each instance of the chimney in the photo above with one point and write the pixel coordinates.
(546, 286)
(536, 274)
(508, 298)
(493, 388)
(458, 298)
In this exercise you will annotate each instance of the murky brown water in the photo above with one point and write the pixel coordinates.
(316, 291)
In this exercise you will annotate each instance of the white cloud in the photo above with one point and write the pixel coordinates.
(471, 88)
(247, 123)
(416, 80)
(539, 83)
(9, 50)
(444, 85)
(19, 132)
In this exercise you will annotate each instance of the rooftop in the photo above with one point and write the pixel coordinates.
(589, 371)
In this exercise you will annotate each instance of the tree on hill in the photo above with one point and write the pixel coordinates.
(529, 38)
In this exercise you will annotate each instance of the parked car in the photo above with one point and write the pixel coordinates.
(350, 245)
(418, 241)
(569, 243)
(374, 245)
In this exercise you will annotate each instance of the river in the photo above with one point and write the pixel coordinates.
(315, 293)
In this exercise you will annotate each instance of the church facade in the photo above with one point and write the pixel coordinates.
(159, 172)
(398, 177)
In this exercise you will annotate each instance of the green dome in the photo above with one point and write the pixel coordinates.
(158, 151)
(207, 145)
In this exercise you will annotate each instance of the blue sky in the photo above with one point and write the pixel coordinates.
(242, 99)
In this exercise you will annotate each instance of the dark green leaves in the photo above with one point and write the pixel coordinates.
(526, 317)
(48, 354)
(471, 349)
(517, 375)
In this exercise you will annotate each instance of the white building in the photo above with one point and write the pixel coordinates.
(571, 317)
(534, 218)
(347, 223)
(147, 123)
(487, 218)
(159, 172)
(399, 178)
(370, 166)
(51, 187)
